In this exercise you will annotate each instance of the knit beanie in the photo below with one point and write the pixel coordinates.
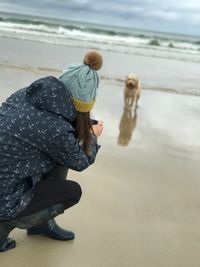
(82, 81)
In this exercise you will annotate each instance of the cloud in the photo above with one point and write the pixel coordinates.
(181, 15)
(163, 15)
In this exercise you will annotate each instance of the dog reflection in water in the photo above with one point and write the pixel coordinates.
(127, 125)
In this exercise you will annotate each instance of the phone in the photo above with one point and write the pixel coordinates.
(94, 122)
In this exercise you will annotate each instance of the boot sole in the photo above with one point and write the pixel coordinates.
(10, 244)
(52, 236)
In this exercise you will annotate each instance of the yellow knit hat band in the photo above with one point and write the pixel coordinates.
(83, 106)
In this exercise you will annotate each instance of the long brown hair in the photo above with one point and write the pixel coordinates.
(83, 130)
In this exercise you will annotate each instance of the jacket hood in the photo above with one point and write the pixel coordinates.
(50, 94)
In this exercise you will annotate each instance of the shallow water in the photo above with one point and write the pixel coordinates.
(155, 72)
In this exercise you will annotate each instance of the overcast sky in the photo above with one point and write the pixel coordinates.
(181, 16)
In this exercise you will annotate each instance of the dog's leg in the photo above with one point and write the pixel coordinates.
(138, 96)
(132, 101)
(126, 101)
(135, 103)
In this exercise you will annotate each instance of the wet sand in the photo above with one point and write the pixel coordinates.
(141, 203)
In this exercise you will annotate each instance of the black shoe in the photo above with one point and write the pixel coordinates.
(51, 230)
(5, 242)
(7, 245)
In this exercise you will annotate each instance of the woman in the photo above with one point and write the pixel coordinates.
(44, 130)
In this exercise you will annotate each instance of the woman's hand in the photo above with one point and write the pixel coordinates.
(98, 128)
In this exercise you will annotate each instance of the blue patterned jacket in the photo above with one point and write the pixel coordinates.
(36, 133)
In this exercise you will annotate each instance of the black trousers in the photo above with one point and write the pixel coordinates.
(53, 188)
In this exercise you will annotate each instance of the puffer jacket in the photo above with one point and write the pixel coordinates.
(36, 133)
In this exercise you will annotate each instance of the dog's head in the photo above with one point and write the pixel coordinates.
(131, 81)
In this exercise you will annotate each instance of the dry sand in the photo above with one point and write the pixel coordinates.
(141, 203)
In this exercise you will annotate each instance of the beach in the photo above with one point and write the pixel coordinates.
(141, 202)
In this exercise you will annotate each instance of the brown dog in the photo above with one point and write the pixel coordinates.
(131, 91)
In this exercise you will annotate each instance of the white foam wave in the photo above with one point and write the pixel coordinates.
(127, 44)
(71, 33)
(89, 36)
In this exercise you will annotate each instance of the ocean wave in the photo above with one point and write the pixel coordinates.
(114, 39)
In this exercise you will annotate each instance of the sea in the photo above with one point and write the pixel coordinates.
(170, 55)
(104, 37)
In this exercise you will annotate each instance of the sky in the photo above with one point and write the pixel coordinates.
(175, 16)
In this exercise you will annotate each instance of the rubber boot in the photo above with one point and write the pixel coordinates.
(35, 219)
(5, 242)
(51, 229)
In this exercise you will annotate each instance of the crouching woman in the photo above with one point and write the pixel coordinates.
(46, 129)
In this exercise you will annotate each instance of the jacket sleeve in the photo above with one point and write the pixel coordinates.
(65, 149)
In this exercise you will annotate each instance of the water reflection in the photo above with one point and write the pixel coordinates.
(127, 125)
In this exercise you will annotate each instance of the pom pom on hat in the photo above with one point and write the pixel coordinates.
(93, 59)
(82, 81)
